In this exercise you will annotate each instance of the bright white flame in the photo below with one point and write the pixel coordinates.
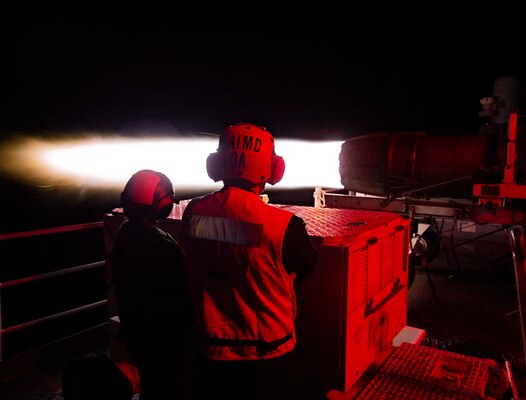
(310, 164)
(110, 161)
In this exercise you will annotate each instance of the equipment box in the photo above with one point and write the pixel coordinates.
(354, 304)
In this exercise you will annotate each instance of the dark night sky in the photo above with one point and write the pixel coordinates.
(315, 73)
(312, 73)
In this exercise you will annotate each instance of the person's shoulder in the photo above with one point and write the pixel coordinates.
(167, 244)
(280, 210)
(199, 198)
(296, 219)
(163, 235)
(196, 200)
(297, 222)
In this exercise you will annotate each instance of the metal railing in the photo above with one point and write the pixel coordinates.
(47, 275)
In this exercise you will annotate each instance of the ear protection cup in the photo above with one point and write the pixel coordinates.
(213, 167)
(277, 169)
(163, 199)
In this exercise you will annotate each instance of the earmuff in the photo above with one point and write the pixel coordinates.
(164, 198)
(277, 169)
(213, 167)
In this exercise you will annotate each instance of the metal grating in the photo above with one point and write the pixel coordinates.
(420, 372)
(340, 223)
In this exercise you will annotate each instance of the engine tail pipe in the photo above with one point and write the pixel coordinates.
(414, 162)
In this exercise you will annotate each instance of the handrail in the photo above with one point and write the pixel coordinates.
(49, 231)
(33, 278)
(52, 317)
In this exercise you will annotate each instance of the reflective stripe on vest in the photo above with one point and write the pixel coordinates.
(266, 346)
(225, 230)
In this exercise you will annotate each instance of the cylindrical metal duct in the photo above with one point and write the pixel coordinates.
(413, 162)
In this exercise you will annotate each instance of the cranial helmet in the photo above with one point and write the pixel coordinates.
(148, 194)
(246, 151)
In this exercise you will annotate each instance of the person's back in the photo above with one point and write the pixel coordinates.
(243, 257)
(150, 285)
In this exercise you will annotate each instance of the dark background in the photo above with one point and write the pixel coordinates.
(310, 72)
(304, 72)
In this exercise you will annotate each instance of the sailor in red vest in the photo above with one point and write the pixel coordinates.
(244, 258)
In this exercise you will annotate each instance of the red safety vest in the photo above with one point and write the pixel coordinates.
(244, 298)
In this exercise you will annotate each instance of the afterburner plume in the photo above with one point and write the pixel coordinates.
(109, 161)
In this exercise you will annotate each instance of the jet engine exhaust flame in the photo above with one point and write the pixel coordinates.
(107, 161)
